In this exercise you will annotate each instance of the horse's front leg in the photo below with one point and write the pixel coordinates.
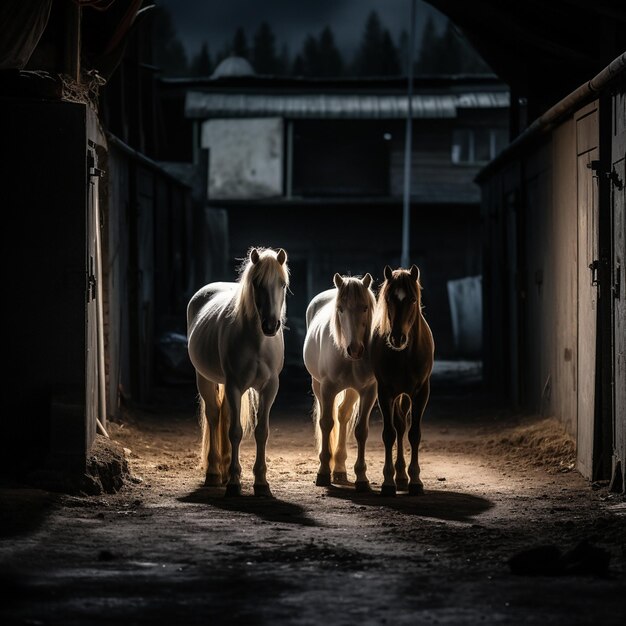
(267, 395)
(361, 431)
(326, 423)
(401, 416)
(344, 413)
(416, 487)
(235, 433)
(386, 402)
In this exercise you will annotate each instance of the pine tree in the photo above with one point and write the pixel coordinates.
(201, 64)
(403, 51)
(389, 61)
(330, 62)
(297, 69)
(264, 56)
(448, 52)
(284, 61)
(169, 53)
(367, 62)
(310, 57)
(240, 44)
(430, 48)
(377, 54)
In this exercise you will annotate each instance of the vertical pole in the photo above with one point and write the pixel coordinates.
(289, 168)
(406, 206)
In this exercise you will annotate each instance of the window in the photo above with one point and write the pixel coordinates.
(477, 145)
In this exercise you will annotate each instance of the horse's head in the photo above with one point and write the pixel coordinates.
(354, 306)
(399, 305)
(268, 278)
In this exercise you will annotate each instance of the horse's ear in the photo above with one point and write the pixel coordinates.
(367, 280)
(281, 257)
(415, 272)
(254, 256)
(338, 281)
(388, 273)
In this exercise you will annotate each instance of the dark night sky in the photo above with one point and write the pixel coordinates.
(215, 21)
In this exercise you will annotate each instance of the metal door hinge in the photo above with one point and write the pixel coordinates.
(611, 175)
(91, 281)
(594, 266)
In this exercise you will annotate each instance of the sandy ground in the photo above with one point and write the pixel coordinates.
(166, 550)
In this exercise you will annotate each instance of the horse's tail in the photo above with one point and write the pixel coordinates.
(402, 408)
(334, 433)
(249, 408)
(249, 405)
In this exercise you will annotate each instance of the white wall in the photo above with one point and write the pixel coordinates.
(245, 158)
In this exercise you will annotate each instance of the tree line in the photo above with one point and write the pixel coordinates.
(441, 52)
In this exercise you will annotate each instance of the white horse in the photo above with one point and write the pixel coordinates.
(236, 345)
(336, 354)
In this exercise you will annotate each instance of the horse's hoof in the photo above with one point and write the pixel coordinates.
(340, 478)
(232, 490)
(362, 486)
(323, 480)
(388, 491)
(415, 489)
(213, 480)
(262, 491)
(402, 484)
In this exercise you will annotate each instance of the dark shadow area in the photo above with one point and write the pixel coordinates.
(443, 505)
(268, 509)
(24, 510)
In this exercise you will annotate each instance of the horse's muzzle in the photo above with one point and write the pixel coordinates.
(397, 343)
(355, 352)
(270, 327)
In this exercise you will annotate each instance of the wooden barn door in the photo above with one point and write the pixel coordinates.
(94, 290)
(618, 287)
(587, 151)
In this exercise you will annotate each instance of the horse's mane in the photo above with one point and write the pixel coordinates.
(352, 286)
(381, 324)
(266, 270)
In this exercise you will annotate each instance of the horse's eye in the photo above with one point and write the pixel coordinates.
(414, 301)
(340, 309)
(364, 309)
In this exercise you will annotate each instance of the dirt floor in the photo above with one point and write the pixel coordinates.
(165, 550)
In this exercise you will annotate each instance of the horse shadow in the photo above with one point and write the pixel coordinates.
(443, 504)
(268, 509)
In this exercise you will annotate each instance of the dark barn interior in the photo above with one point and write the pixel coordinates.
(128, 186)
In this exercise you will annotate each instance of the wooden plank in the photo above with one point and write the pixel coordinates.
(565, 259)
(587, 311)
(618, 210)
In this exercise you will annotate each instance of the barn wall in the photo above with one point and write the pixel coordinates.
(559, 180)
(152, 260)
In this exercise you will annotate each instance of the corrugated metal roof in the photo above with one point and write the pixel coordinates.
(202, 105)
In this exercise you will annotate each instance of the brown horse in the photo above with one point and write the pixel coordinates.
(402, 353)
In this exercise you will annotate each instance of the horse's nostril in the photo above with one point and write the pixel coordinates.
(402, 338)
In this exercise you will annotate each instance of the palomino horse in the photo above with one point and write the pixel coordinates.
(402, 353)
(336, 354)
(236, 346)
